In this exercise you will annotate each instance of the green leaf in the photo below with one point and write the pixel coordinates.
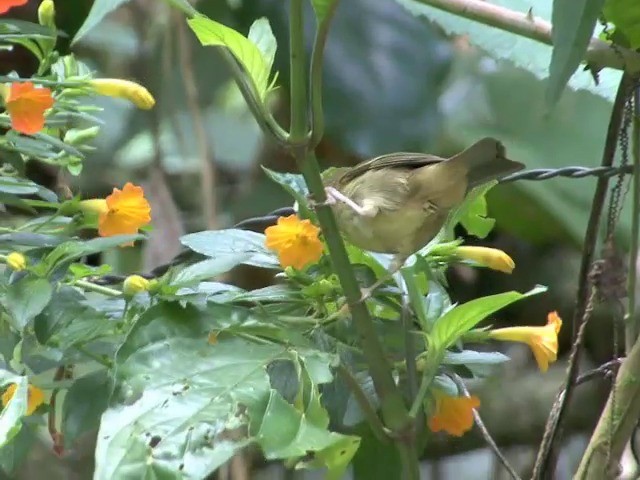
(472, 214)
(25, 299)
(11, 415)
(573, 25)
(74, 249)
(462, 318)
(84, 404)
(294, 185)
(375, 459)
(181, 397)
(256, 60)
(208, 269)
(284, 432)
(99, 10)
(68, 320)
(625, 15)
(14, 454)
(522, 52)
(232, 244)
(480, 364)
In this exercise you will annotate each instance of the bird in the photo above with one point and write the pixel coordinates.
(398, 202)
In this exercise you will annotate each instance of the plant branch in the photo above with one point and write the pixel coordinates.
(394, 411)
(553, 430)
(110, 292)
(372, 417)
(315, 76)
(207, 168)
(616, 424)
(631, 322)
(599, 53)
(485, 433)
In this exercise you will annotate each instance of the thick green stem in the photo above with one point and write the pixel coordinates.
(616, 425)
(394, 411)
(631, 322)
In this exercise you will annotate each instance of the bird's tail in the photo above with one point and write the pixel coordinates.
(485, 161)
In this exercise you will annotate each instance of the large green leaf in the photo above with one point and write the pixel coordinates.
(178, 399)
(625, 15)
(84, 404)
(99, 10)
(25, 299)
(573, 25)
(462, 318)
(233, 244)
(208, 269)
(256, 58)
(523, 52)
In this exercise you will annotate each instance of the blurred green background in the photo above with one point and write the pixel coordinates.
(398, 76)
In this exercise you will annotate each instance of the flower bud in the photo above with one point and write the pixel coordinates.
(78, 136)
(47, 14)
(94, 206)
(17, 261)
(132, 91)
(487, 257)
(134, 284)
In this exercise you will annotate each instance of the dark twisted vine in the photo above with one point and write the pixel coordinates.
(546, 459)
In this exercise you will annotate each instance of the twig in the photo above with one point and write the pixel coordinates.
(603, 370)
(208, 177)
(599, 53)
(370, 413)
(485, 433)
(544, 465)
(631, 322)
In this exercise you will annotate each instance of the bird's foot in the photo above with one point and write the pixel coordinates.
(330, 200)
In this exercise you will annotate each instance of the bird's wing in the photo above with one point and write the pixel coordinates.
(392, 160)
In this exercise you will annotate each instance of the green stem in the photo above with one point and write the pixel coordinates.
(365, 405)
(631, 322)
(297, 65)
(394, 412)
(111, 292)
(409, 460)
(315, 76)
(97, 358)
(427, 379)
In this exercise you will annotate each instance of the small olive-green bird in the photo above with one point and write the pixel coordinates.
(397, 203)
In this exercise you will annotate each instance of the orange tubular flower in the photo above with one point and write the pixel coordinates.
(454, 415)
(123, 212)
(543, 341)
(296, 241)
(5, 5)
(26, 105)
(35, 397)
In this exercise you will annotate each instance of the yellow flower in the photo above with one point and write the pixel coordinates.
(454, 415)
(296, 241)
(487, 257)
(543, 341)
(17, 261)
(35, 397)
(123, 212)
(135, 284)
(132, 91)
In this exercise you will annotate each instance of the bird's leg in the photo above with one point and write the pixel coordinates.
(368, 209)
(395, 265)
